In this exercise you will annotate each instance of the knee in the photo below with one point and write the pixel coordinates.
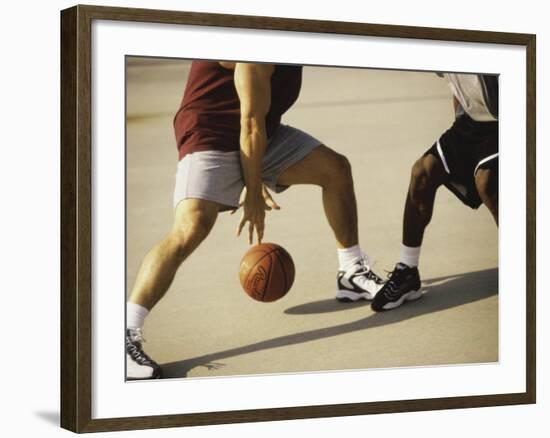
(487, 187)
(424, 177)
(189, 233)
(336, 172)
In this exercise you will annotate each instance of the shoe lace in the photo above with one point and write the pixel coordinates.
(372, 276)
(134, 340)
(391, 286)
(366, 272)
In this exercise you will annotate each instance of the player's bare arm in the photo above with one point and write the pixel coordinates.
(253, 85)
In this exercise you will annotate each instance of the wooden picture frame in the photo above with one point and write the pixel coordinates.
(76, 217)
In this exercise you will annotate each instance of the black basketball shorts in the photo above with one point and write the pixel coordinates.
(463, 149)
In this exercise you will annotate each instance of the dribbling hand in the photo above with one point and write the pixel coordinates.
(254, 208)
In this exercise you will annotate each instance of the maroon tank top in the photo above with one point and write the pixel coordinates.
(209, 115)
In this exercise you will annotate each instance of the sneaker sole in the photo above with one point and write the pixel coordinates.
(346, 296)
(410, 296)
(152, 377)
(133, 379)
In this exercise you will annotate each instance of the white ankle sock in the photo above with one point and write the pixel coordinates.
(410, 256)
(135, 315)
(349, 256)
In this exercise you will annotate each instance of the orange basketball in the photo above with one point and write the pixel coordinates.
(266, 272)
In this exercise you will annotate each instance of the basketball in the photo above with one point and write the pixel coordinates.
(266, 272)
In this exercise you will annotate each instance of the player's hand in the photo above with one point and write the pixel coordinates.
(270, 203)
(268, 200)
(254, 207)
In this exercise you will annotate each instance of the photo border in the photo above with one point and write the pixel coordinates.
(76, 217)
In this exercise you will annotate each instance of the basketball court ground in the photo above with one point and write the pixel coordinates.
(382, 121)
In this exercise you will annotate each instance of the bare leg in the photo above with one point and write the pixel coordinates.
(487, 187)
(332, 172)
(426, 176)
(194, 218)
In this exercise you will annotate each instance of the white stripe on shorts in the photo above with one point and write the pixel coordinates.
(440, 151)
(490, 157)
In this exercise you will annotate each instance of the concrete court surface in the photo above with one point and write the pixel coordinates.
(382, 121)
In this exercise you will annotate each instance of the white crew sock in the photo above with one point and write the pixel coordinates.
(135, 315)
(410, 256)
(349, 256)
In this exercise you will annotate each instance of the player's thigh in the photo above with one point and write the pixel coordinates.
(427, 171)
(194, 218)
(318, 167)
(486, 181)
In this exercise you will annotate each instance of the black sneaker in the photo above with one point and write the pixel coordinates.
(139, 366)
(358, 282)
(403, 285)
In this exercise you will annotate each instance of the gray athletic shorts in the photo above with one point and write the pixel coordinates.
(217, 176)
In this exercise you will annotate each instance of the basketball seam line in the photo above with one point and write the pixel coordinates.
(283, 269)
(261, 258)
(269, 277)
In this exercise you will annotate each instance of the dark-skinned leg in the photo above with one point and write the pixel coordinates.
(427, 175)
(404, 284)
(487, 188)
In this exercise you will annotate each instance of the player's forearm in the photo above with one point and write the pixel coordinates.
(253, 141)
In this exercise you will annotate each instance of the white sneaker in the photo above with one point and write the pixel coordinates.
(358, 282)
(139, 366)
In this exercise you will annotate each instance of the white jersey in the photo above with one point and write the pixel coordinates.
(476, 94)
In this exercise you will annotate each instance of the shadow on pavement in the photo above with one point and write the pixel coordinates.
(324, 306)
(331, 305)
(443, 293)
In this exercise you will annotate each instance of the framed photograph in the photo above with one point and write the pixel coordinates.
(270, 219)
